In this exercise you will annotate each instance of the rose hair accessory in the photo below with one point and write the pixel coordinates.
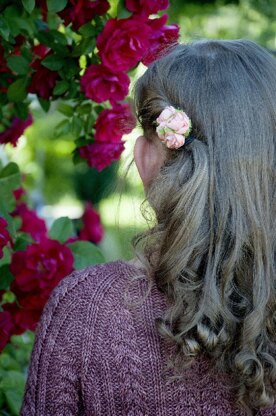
(173, 127)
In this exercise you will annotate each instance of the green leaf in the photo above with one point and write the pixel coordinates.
(10, 176)
(122, 12)
(5, 277)
(85, 254)
(21, 110)
(13, 387)
(8, 297)
(63, 128)
(55, 6)
(61, 87)
(28, 5)
(53, 62)
(61, 229)
(45, 104)
(88, 30)
(4, 28)
(77, 126)
(17, 91)
(66, 109)
(18, 64)
(22, 242)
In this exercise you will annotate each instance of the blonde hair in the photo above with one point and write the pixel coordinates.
(211, 249)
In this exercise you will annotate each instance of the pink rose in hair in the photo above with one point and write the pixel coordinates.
(173, 126)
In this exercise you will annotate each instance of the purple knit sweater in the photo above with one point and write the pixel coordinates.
(95, 355)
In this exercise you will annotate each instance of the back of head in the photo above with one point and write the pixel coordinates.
(212, 249)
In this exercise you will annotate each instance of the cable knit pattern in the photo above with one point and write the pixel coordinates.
(98, 354)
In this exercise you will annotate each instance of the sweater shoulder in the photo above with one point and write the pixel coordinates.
(94, 282)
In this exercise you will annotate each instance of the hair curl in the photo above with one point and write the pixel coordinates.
(212, 247)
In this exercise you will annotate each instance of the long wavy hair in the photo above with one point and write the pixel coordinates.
(211, 249)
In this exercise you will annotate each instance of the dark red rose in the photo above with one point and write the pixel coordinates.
(18, 193)
(3, 63)
(80, 12)
(23, 318)
(31, 223)
(92, 228)
(43, 81)
(6, 328)
(100, 155)
(4, 235)
(163, 38)
(44, 9)
(100, 84)
(113, 123)
(123, 42)
(15, 131)
(146, 7)
(41, 266)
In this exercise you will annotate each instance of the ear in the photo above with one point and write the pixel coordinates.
(149, 157)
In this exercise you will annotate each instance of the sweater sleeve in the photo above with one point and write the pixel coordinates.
(53, 386)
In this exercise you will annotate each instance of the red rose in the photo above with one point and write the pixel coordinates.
(3, 63)
(100, 84)
(44, 9)
(18, 193)
(41, 266)
(23, 318)
(146, 7)
(80, 12)
(31, 223)
(113, 123)
(100, 155)
(43, 80)
(15, 131)
(6, 328)
(4, 235)
(123, 42)
(93, 230)
(162, 38)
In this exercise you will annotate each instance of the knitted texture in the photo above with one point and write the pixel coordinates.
(97, 353)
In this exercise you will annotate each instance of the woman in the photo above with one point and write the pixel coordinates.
(188, 327)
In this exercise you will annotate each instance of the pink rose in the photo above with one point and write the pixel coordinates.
(41, 266)
(123, 42)
(31, 223)
(113, 123)
(4, 235)
(92, 228)
(146, 7)
(162, 39)
(100, 155)
(80, 12)
(173, 126)
(100, 84)
(175, 120)
(15, 131)
(174, 140)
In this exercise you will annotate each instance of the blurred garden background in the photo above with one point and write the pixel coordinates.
(57, 183)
